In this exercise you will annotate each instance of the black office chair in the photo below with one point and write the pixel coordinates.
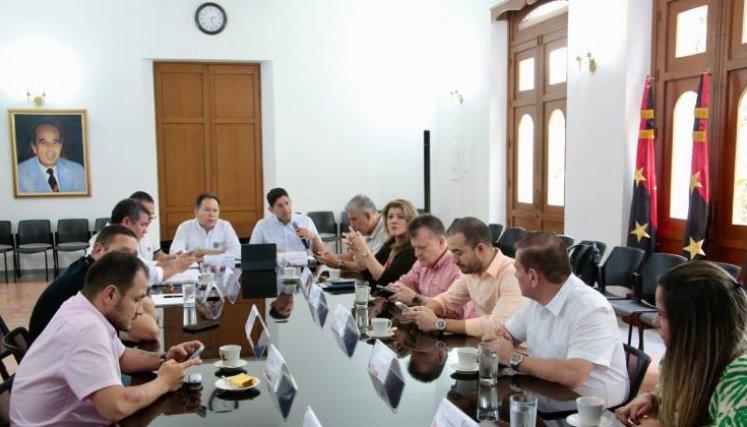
(33, 236)
(645, 289)
(508, 240)
(495, 232)
(732, 269)
(618, 272)
(585, 257)
(637, 363)
(6, 244)
(72, 235)
(17, 341)
(100, 223)
(325, 225)
(567, 240)
(344, 223)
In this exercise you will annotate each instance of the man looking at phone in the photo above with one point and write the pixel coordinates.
(433, 272)
(488, 282)
(72, 373)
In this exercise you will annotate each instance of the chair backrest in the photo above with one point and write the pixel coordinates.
(585, 258)
(324, 221)
(618, 269)
(72, 230)
(567, 240)
(6, 237)
(34, 231)
(508, 240)
(344, 222)
(732, 269)
(100, 223)
(637, 363)
(495, 232)
(17, 341)
(657, 264)
(600, 245)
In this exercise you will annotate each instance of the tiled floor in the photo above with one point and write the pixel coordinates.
(17, 300)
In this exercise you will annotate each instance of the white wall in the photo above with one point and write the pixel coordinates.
(348, 88)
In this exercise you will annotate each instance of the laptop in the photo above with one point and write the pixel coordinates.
(258, 257)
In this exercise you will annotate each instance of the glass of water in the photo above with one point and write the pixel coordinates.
(488, 403)
(523, 410)
(488, 364)
(362, 291)
(189, 290)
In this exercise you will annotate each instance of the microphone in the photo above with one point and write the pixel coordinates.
(304, 241)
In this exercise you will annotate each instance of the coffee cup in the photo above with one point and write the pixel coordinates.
(334, 274)
(590, 410)
(380, 326)
(230, 354)
(289, 272)
(467, 357)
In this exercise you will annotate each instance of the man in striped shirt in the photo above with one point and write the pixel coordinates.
(433, 272)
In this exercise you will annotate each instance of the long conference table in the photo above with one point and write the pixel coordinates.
(337, 387)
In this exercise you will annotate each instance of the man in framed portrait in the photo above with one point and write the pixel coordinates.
(47, 171)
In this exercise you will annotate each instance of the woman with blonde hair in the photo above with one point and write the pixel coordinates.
(396, 256)
(703, 378)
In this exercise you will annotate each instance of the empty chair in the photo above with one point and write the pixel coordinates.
(325, 224)
(732, 269)
(33, 236)
(567, 240)
(618, 271)
(99, 224)
(72, 235)
(655, 267)
(508, 240)
(495, 232)
(344, 223)
(17, 341)
(6, 244)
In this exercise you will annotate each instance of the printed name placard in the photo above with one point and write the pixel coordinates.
(448, 415)
(310, 419)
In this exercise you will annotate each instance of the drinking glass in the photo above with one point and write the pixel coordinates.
(362, 291)
(523, 410)
(189, 291)
(488, 403)
(488, 364)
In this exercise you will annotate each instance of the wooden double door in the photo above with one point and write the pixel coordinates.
(209, 138)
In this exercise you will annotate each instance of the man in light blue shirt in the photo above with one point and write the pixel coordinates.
(47, 172)
(290, 232)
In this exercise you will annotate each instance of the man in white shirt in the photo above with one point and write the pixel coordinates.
(206, 234)
(291, 232)
(570, 329)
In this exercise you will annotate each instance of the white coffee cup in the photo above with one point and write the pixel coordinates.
(590, 410)
(381, 326)
(467, 357)
(334, 274)
(289, 272)
(230, 354)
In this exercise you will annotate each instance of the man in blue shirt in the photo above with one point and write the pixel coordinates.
(290, 232)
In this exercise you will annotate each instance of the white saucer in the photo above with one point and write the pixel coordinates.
(574, 421)
(458, 368)
(223, 384)
(372, 334)
(223, 365)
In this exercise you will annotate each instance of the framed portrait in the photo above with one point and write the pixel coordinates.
(49, 153)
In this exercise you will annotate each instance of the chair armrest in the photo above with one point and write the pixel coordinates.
(637, 286)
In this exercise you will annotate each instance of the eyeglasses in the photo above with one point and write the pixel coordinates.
(47, 144)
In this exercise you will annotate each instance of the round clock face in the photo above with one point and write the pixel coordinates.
(210, 18)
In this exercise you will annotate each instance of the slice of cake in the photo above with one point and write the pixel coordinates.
(241, 381)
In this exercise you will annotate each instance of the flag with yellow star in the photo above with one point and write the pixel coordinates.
(643, 213)
(697, 214)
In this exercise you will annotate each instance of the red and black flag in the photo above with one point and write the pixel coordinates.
(643, 213)
(697, 215)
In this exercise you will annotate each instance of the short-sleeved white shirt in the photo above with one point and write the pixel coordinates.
(191, 236)
(271, 230)
(578, 323)
(76, 354)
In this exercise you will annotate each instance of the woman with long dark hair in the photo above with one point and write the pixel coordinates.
(704, 371)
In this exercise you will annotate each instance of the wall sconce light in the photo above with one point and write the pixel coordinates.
(458, 96)
(37, 99)
(587, 59)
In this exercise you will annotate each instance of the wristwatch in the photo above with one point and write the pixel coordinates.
(441, 324)
(516, 360)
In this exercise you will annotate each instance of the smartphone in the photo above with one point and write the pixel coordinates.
(402, 306)
(195, 354)
(386, 291)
